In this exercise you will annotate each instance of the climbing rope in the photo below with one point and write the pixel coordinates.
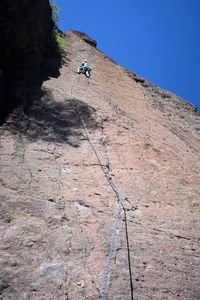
(114, 232)
(120, 199)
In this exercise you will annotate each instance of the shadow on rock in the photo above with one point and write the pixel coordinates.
(28, 53)
(53, 121)
(22, 79)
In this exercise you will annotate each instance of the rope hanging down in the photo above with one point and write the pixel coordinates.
(120, 199)
(112, 244)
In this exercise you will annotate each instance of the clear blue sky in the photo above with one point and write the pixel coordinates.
(157, 39)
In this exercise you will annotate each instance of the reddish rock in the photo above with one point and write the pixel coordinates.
(58, 209)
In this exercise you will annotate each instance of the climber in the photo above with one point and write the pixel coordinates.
(84, 68)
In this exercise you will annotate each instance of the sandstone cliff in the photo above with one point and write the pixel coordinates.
(57, 204)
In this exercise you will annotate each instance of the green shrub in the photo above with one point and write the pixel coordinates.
(55, 12)
(59, 39)
(58, 36)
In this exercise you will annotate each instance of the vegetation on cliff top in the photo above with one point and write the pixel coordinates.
(58, 36)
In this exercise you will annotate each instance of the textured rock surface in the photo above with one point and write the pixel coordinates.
(57, 208)
(26, 38)
(85, 37)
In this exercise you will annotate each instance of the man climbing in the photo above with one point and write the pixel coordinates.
(84, 68)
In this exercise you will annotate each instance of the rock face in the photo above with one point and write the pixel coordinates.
(57, 204)
(26, 38)
(85, 37)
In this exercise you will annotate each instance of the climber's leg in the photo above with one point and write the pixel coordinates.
(87, 73)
